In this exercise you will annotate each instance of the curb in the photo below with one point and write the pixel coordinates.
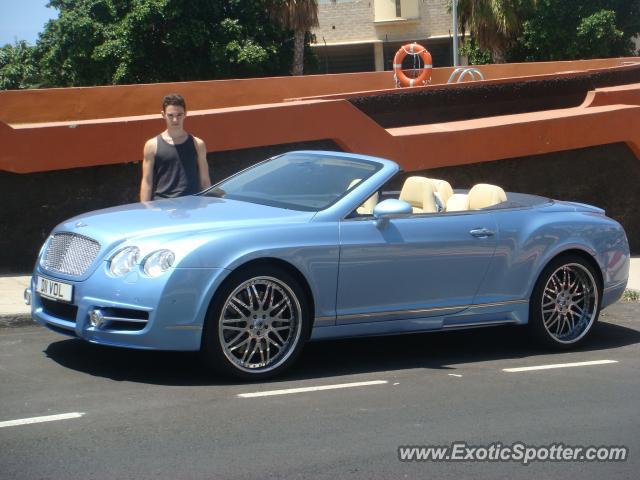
(13, 320)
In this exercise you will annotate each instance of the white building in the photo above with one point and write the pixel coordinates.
(363, 35)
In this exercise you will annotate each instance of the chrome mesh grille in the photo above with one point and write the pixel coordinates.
(70, 253)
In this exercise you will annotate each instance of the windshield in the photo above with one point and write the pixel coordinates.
(296, 181)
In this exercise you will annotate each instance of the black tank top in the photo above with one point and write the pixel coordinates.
(175, 169)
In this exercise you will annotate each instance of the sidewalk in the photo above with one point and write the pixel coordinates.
(13, 311)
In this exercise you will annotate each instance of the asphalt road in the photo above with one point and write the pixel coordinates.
(160, 415)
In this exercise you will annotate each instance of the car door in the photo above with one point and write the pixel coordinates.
(413, 267)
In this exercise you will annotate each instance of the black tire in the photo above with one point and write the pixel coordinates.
(257, 324)
(565, 303)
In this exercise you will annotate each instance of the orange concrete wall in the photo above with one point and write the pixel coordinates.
(69, 104)
(494, 74)
(418, 147)
(510, 136)
(609, 115)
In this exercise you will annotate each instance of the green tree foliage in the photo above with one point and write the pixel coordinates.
(99, 42)
(17, 69)
(66, 48)
(578, 29)
(493, 24)
(475, 55)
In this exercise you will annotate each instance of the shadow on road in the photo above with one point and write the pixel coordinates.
(331, 358)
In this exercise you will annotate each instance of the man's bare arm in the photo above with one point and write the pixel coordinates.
(203, 165)
(148, 159)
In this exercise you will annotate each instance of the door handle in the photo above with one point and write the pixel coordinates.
(481, 232)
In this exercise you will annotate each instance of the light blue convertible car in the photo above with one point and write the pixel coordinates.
(310, 245)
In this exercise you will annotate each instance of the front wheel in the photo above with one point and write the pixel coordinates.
(565, 303)
(257, 325)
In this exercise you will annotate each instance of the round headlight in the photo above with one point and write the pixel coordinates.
(43, 249)
(158, 262)
(124, 261)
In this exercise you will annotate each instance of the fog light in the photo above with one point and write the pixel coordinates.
(27, 296)
(96, 317)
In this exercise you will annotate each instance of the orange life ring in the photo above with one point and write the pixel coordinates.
(425, 56)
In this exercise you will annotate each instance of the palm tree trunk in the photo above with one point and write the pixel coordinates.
(497, 55)
(298, 52)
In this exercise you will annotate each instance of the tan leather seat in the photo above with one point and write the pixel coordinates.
(484, 195)
(442, 191)
(367, 207)
(418, 192)
(458, 202)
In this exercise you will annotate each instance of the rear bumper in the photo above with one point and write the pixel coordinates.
(613, 293)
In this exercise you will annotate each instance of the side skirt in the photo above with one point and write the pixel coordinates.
(478, 316)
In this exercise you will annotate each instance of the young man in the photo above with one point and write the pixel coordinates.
(175, 162)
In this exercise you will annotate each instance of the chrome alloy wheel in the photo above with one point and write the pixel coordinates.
(260, 324)
(569, 303)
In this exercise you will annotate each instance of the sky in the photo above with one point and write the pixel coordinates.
(23, 19)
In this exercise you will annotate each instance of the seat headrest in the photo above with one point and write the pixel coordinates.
(458, 202)
(443, 189)
(484, 195)
(418, 191)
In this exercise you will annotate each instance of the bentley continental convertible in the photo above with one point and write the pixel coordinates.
(312, 245)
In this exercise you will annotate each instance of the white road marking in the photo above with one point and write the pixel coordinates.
(48, 418)
(454, 374)
(559, 365)
(310, 389)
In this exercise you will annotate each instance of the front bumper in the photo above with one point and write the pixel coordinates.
(174, 304)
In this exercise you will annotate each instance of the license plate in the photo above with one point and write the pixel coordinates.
(54, 290)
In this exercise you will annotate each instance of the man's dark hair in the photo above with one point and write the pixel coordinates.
(173, 99)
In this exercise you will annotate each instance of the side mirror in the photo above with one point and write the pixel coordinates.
(390, 208)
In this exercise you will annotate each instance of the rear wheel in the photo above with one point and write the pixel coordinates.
(257, 324)
(565, 303)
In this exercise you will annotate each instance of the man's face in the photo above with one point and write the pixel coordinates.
(174, 116)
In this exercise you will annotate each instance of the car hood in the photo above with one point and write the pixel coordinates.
(175, 216)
